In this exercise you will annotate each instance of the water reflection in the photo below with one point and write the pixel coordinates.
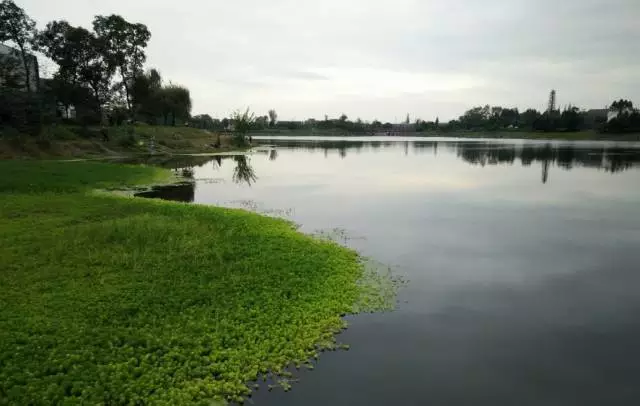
(273, 154)
(185, 166)
(612, 159)
(174, 162)
(243, 171)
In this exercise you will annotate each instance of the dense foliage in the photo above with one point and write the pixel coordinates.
(100, 77)
(109, 300)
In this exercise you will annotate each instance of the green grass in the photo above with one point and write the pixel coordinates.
(112, 300)
(59, 176)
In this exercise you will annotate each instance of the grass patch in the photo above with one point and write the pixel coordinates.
(110, 300)
(58, 176)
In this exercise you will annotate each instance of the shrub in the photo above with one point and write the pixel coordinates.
(128, 140)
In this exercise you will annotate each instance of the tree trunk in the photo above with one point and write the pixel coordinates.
(27, 74)
(96, 95)
(126, 91)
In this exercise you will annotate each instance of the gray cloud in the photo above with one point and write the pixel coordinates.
(383, 58)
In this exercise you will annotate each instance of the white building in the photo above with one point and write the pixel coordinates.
(7, 54)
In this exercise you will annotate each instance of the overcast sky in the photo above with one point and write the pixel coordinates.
(381, 58)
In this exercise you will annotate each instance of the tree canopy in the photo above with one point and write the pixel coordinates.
(16, 26)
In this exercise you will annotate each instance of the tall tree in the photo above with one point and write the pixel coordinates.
(621, 106)
(273, 118)
(18, 27)
(80, 56)
(571, 119)
(529, 117)
(175, 103)
(202, 121)
(125, 43)
(146, 95)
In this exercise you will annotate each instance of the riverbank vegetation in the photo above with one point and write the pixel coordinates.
(98, 93)
(69, 141)
(111, 300)
(621, 120)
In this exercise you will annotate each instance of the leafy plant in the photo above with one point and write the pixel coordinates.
(243, 122)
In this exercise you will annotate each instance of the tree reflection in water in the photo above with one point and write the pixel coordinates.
(243, 171)
(610, 158)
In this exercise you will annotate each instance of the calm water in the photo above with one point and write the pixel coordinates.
(523, 261)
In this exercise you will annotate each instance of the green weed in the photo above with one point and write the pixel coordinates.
(109, 300)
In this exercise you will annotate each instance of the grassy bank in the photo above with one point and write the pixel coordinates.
(111, 300)
(62, 141)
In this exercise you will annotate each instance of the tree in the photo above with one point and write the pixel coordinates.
(146, 95)
(175, 102)
(124, 48)
(475, 118)
(261, 122)
(571, 119)
(18, 27)
(9, 71)
(621, 106)
(509, 118)
(243, 122)
(343, 118)
(202, 121)
(627, 119)
(273, 118)
(529, 118)
(437, 123)
(81, 59)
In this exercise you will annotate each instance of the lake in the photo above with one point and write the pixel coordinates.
(522, 261)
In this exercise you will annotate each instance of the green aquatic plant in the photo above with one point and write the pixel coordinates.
(109, 300)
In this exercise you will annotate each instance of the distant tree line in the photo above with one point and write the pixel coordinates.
(100, 77)
(621, 117)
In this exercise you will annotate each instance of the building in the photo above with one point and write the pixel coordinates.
(11, 65)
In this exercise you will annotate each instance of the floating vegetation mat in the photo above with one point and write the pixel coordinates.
(116, 301)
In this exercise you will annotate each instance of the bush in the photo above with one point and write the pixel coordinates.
(56, 132)
(128, 140)
(9, 132)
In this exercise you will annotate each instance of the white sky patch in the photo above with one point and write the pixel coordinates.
(382, 58)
